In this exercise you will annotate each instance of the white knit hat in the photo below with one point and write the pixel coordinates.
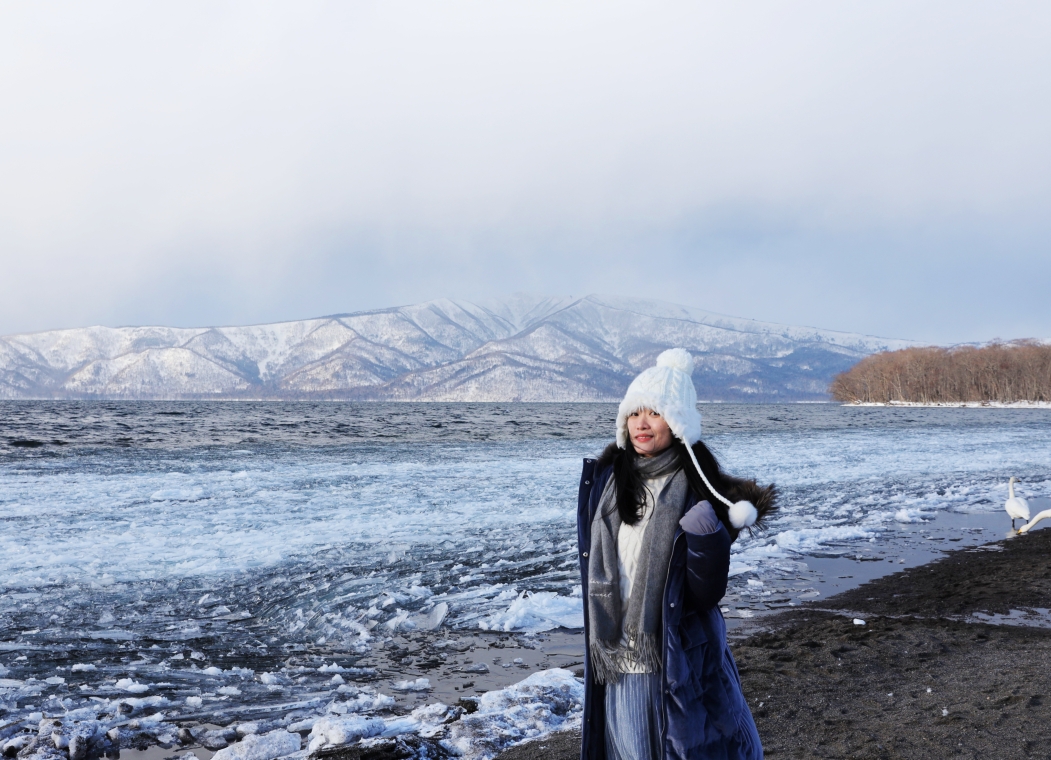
(668, 390)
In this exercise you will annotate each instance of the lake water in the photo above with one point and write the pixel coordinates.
(169, 551)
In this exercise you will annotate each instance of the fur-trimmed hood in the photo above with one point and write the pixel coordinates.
(764, 498)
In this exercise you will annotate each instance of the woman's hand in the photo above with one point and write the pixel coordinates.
(701, 519)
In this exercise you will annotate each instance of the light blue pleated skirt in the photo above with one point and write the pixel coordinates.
(633, 719)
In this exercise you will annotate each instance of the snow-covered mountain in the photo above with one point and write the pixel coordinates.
(524, 348)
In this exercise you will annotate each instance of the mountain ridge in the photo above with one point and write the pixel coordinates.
(521, 348)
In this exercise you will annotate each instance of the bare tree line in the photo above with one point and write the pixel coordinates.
(1004, 372)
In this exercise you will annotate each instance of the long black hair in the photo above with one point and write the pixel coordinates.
(630, 490)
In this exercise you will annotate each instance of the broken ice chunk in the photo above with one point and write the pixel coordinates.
(130, 685)
(420, 684)
(434, 618)
(330, 731)
(262, 746)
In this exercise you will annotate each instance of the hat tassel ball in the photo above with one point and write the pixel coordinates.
(742, 513)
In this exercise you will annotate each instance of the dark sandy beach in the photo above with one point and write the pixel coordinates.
(927, 675)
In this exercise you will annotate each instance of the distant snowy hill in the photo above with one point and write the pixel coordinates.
(524, 348)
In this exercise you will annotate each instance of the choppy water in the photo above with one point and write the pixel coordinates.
(153, 540)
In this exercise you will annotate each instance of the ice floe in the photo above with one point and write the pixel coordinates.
(362, 700)
(912, 516)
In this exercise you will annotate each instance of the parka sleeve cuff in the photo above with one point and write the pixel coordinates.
(708, 566)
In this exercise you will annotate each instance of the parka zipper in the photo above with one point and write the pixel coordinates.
(592, 506)
(664, 647)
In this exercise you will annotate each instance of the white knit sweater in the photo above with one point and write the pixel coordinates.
(629, 546)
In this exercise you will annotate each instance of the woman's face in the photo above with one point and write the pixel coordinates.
(649, 433)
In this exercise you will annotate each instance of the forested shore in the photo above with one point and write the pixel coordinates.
(999, 372)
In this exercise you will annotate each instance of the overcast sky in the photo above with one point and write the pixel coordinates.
(873, 167)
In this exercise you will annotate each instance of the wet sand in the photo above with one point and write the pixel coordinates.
(462, 664)
(954, 660)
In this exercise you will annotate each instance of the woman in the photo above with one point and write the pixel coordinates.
(655, 520)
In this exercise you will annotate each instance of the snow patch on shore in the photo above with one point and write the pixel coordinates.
(551, 700)
(536, 612)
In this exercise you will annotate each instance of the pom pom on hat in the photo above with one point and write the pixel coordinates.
(676, 358)
(743, 514)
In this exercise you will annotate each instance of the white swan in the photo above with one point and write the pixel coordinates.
(1017, 507)
(1039, 516)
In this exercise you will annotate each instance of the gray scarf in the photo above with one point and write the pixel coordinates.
(642, 621)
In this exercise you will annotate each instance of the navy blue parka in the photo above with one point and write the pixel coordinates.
(705, 713)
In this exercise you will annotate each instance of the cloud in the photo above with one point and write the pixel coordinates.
(857, 167)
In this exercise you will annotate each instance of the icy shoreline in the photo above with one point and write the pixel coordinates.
(476, 728)
(239, 572)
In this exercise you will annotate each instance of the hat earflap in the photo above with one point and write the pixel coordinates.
(742, 514)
